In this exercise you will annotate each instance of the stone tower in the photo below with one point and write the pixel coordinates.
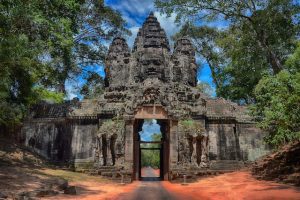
(151, 58)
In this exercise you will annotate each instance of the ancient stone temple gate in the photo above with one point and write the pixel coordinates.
(148, 82)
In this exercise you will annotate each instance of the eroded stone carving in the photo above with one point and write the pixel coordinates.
(110, 143)
(193, 144)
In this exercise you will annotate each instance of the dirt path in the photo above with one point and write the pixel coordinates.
(150, 172)
(148, 190)
(231, 186)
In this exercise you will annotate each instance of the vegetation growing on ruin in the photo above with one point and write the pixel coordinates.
(112, 126)
(190, 126)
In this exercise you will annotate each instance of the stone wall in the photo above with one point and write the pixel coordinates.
(252, 143)
(230, 141)
(61, 140)
(83, 143)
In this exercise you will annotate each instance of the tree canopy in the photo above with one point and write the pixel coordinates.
(43, 44)
(251, 49)
(258, 38)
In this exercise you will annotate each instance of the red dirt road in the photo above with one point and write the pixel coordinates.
(234, 186)
(231, 186)
(150, 172)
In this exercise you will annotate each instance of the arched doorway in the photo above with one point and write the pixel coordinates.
(144, 144)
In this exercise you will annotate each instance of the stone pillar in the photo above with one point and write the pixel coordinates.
(129, 130)
(173, 143)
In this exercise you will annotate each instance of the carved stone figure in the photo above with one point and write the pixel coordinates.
(193, 144)
(151, 95)
(204, 150)
(184, 151)
(110, 142)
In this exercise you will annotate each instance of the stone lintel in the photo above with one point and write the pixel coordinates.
(151, 112)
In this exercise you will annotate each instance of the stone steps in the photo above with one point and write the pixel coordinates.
(192, 176)
(216, 167)
(226, 165)
(112, 173)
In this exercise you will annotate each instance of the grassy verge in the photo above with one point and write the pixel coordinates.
(72, 176)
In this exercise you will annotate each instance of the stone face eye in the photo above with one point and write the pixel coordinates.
(145, 62)
(156, 62)
(126, 61)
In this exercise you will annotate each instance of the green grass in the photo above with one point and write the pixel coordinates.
(72, 176)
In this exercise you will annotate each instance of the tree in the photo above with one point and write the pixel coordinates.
(205, 88)
(23, 38)
(278, 107)
(151, 157)
(257, 41)
(270, 21)
(94, 86)
(44, 43)
(87, 30)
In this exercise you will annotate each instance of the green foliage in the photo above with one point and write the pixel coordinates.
(254, 59)
(257, 41)
(42, 94)
(44, 44)
(94, 86)
(151, 157)
(156, 137)
(205, 88)
(190, 126)
(112, 126)
(293, 61)
(278, 107)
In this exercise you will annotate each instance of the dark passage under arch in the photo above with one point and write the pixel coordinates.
(151, 149)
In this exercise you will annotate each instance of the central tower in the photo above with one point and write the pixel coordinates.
(150, 58)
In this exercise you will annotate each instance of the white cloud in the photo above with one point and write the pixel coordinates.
(133, 9)
(130, 40)
(168, 23)
(149, 128)
(71, 90)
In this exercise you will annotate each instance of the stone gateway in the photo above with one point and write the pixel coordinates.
(150, 81)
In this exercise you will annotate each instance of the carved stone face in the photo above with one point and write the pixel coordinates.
(185, 47)
(152, 66)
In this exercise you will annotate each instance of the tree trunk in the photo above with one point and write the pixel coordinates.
(213, 72)
(271, 57)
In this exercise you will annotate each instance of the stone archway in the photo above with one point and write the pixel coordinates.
(158, 113)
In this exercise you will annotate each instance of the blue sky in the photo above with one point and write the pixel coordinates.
(148, 129)
(134, 12)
